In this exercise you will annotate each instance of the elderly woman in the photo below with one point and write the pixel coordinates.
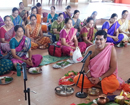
(88, 31)
(68, 40)
(125, 26)
(16, 19)
(6, 65)
(56, 27)
(67, 13)
(76, 21)
(112, 28)
(34, 32)
(21, 45)
(6, 34)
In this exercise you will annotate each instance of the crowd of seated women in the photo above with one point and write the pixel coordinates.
(21, 32)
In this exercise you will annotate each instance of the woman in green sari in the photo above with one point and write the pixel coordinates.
(56, 27)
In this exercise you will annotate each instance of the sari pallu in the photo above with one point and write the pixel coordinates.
(7, 35)
(43, 41)
(124, 27)
(1, 22)
(22, 50)
(89, 34)
(17, 21)
(69, 40)
(111, 31)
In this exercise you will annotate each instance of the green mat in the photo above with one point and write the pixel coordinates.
(47, 59)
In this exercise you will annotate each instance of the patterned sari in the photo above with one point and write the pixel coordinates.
(124, 27)
(111, 31)
(69, 40)
(1, 22)
(7, 35)
(88, 33)
(21, 51)
(17, 21)
(34, 34)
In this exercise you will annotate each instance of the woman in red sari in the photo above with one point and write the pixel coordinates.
(87, 32)
(6, 33)
(68, 40)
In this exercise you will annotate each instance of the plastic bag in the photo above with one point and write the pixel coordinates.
(77, 56)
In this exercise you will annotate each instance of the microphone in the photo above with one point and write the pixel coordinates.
(84, 59)
(24, 71)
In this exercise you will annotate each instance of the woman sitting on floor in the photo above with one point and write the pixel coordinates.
(6, 65)
(125, 26)
(111, 27)
(76, 21)
(93, 15)
(34, 32)
(6, 34)
(20, 45)
(67, 13)
(34, 11)
(51, 17)
(56, 27)
(68, 40)
(16, 19)
(88, 31)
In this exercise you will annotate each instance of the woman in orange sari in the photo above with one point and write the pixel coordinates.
(34, 32)
(38, 16)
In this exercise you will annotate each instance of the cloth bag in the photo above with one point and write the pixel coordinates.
(77, 56)
(54, 50)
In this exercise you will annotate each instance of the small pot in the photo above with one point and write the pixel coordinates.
(3, 80)
(102, 100)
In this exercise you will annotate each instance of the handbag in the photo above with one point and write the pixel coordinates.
(55, 50)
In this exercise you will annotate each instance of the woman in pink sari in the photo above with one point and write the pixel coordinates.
(6, 33)
(21, 45)
(68, 39)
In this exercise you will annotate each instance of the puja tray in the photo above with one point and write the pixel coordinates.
(64, 90)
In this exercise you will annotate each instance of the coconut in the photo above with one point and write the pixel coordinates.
(119, 100)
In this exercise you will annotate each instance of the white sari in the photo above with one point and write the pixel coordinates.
(124, 27)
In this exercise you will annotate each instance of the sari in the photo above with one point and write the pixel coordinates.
(16, 21)
(52, 18)
(7, 35)
(1, 22)
(88, 33)
(98, 66)
(66, 15)
(34, 34)
(57, 26)
(22, 50)
(44, 27)
(111, 31)
(124, 27)
(76, 24)
(69, 40)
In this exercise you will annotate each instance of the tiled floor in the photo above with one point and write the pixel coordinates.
(45, 83)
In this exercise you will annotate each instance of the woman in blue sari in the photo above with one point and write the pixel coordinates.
(111, 27)
(16, 19)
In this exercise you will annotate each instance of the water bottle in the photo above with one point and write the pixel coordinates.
(71, 54)
(18, 70)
